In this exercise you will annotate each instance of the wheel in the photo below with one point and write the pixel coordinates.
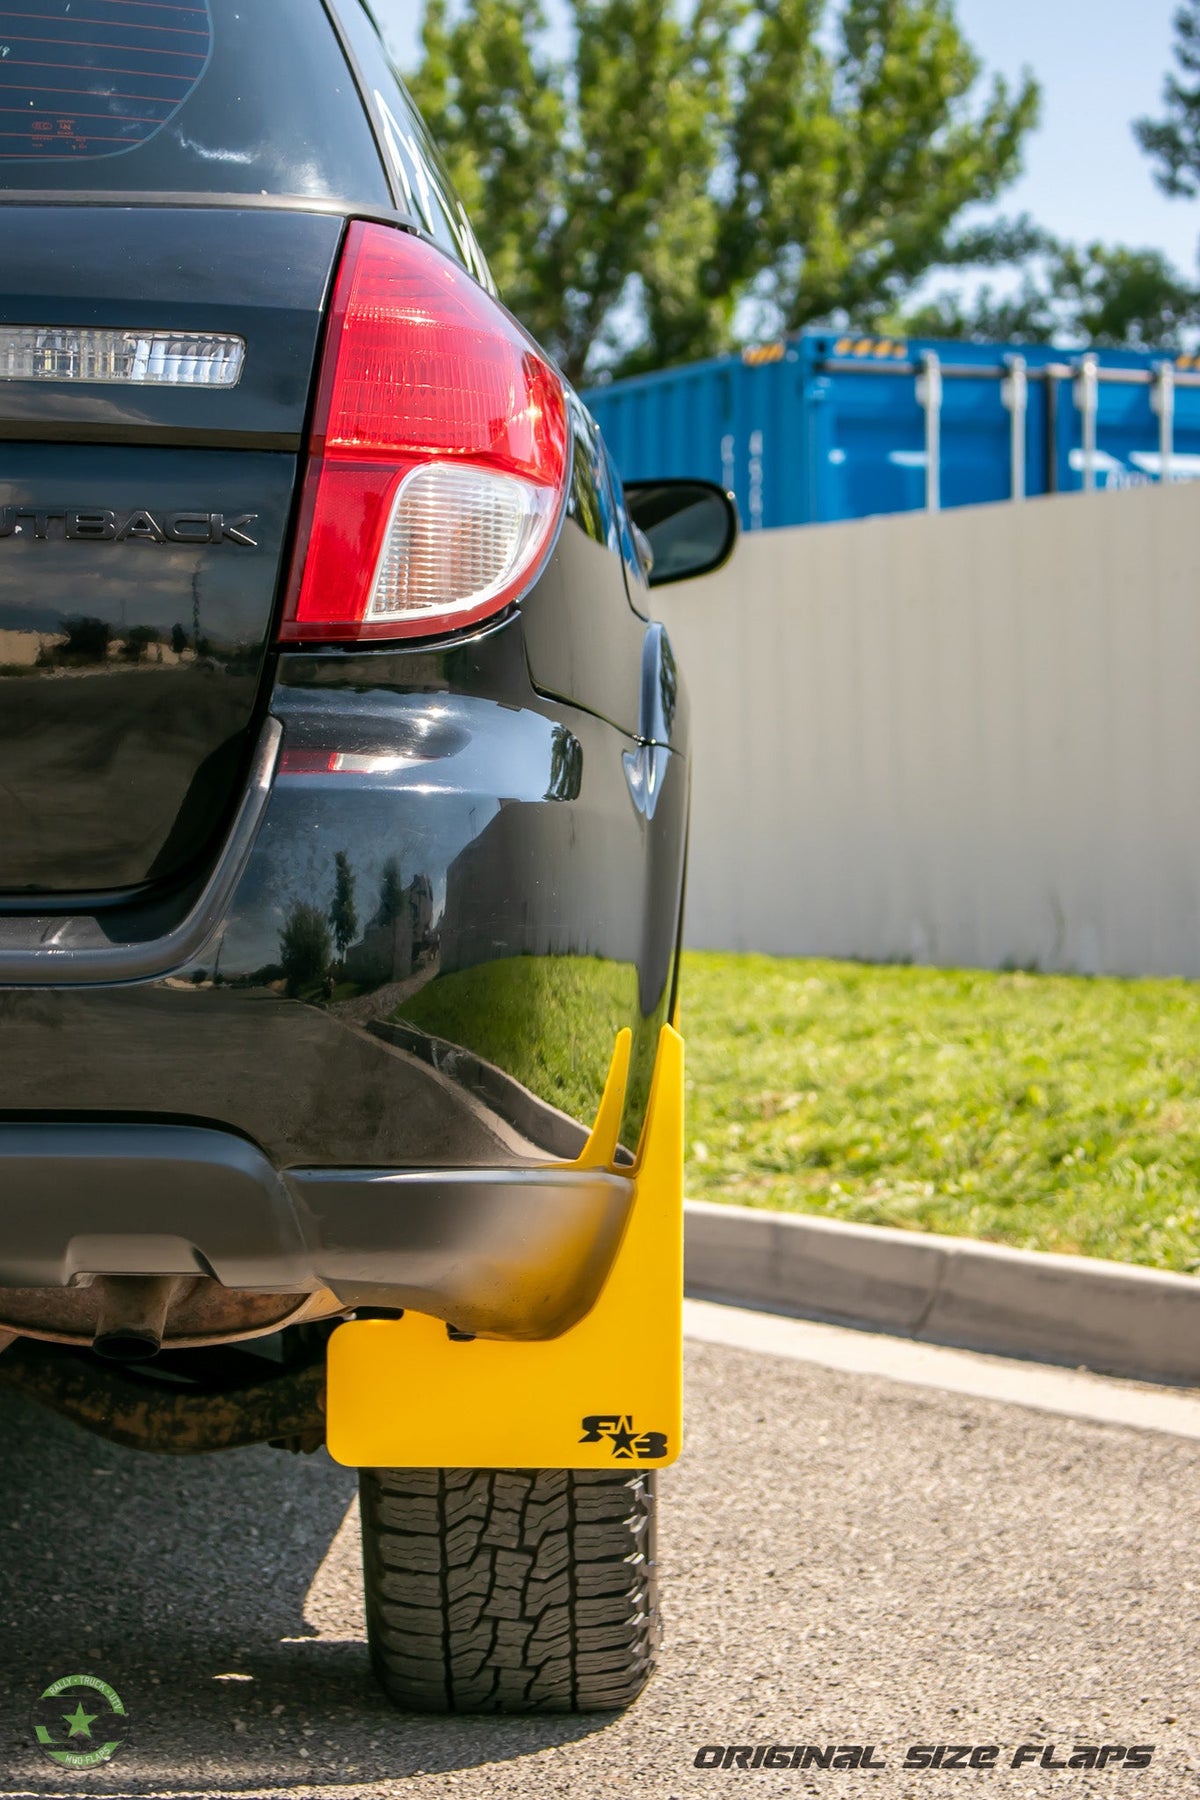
(510, 1590)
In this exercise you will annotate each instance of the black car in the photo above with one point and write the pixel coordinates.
(343, 818)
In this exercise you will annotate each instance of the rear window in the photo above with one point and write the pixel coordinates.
(181, 96)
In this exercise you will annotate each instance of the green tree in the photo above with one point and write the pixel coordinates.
(1026, 316)
(305, 947)
(343, 914)
(1173, 142)
(86, 639)
(1115, 295)
(566, 765)
(392, 899)
(138, 640)
(581, 176)
(686, 162)
(854, 164)
(1099, 294)
(493, 103)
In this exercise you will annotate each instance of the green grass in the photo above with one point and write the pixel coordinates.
(549, 1021)
(1049, 1112)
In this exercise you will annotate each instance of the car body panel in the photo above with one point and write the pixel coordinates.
(263, 275)
(540, 916)
(140, 567)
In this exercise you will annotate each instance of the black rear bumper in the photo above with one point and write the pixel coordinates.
(513, 1253)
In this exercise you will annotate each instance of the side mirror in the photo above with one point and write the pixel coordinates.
(688, 528)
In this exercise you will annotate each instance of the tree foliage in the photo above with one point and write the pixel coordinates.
(1173, 142)
(392, 897)
(1098, 294)
(1102, 294)
(305, 947)
(689, 169)
(343, 914)
(853, 164)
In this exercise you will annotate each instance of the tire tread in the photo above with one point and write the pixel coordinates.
(510, 1590)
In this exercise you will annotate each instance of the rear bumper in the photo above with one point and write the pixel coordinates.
(511, 1253)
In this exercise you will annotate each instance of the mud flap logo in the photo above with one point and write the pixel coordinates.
(628, 1444)
(63, 1717)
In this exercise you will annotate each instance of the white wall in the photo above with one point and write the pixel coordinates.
(972, 738)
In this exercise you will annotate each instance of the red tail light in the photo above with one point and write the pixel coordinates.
(438, 463)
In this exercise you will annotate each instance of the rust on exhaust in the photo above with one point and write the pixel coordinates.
(132, 1315)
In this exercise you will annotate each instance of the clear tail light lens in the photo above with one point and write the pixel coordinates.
(438, 464)
(144, 358)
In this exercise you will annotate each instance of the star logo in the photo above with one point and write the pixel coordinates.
(628, 1444)
(66, 1736)
(80, 1722)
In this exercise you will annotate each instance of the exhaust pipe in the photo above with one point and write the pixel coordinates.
(132, 1315)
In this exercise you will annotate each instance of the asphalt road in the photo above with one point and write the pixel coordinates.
(848, 1559)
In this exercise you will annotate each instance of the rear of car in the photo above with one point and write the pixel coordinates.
(342, 829)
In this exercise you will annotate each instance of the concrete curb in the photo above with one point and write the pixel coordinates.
(1112, 1317)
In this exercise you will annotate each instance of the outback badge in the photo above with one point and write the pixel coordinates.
(101, 525)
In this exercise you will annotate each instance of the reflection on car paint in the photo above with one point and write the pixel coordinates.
(364, 900)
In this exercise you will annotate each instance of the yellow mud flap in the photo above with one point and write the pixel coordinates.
(606, 1394)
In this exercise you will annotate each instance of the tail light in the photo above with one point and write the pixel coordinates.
(438, 464)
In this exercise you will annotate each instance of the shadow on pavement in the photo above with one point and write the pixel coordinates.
(220, 1597)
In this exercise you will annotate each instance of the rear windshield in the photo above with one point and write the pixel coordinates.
(181, 96)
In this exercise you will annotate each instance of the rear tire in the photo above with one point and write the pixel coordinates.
(510, 1590)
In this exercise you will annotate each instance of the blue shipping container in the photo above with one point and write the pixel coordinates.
(825, 426)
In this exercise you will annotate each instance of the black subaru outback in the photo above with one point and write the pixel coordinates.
(342, 831)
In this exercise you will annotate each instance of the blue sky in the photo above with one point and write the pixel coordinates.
(1100, 63)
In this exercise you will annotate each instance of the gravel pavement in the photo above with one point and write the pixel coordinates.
(848, 1560)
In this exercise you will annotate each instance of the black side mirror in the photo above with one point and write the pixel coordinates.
(684, 528)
